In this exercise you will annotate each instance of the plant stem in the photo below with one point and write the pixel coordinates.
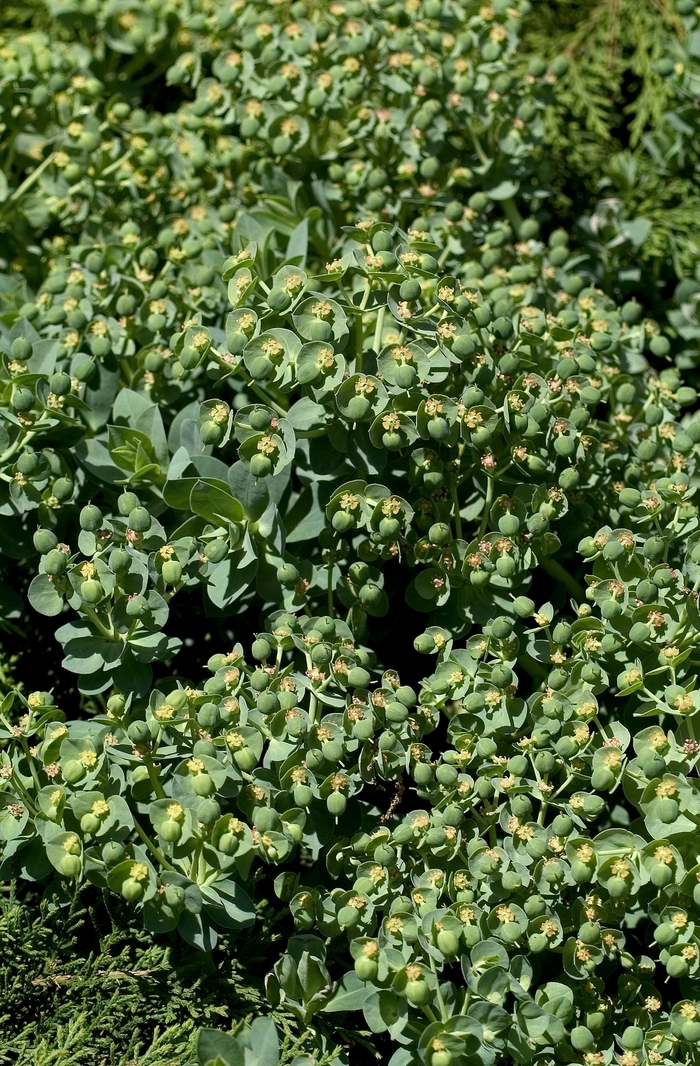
(487, 506)
(440, 1000)
(29, 181)
(153, 777)
(329, 590)
(557, 571)
(359, 343)
(455, 502)
(30, 760)
(155, 852)
(108, 634)
(511, 212)
(23, 438)
(483, 158)
(112, 167)
(379, 329)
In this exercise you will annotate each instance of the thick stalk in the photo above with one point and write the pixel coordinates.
(29, 181)
(557, 571)
(487, 506)
(455, 503)
(155, 852)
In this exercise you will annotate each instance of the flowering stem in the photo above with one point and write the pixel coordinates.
(597, 721)
(23, 792)
(153, 777)
(557, 571)
(157, 854)
(113, 166)
(359, 343)
(487, 506)
(29, 181)
(258, 390)
(23, 438)
(566, 784)
(30, 761)
(331, 611)
(511, 212)
(440, 1000)
(455, 501)
(483, 158)
(108, 634)
(379, 329)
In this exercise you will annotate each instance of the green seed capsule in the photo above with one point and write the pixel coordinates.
(45, 541)
(132, 890)
(260, 466)
(91, 591)
(55, 562)
(677, 966)
(417, 992)
(21, 349)
(60, 384)
(71, 865)
(366, 968)
(126, 503)
(63, 488)
(211, 433)
(202, 784)
(336, 804)
(690, 1031)
(73, 770)
(91, 518)
(581, 1038)
(89, 823)
(172, 572)
(139, 520)
(22, 399)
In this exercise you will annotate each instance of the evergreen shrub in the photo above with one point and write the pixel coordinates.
(272, 432)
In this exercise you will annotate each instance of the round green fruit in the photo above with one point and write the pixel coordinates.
(132, 890)
(417, 992)
(336, 804)
(366, 968)
(71, 865)
(581, 1038)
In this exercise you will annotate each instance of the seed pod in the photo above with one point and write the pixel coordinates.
(139, 520)
(260, 465)
(22, 399)
(71, 865)
(132, 890)
(136, 606)
(91, 591)
(336, 804)
(172, 572)
(211, 433)
(202, 784)
(417, 992)
(126, 503)
(246, 759)
(581, 1038)
(45, 541)
(89, 823)
(73, 770)
(90, 518)
(366, 968)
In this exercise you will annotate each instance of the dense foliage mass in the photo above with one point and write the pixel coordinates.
(83, 983)
(301, 384)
